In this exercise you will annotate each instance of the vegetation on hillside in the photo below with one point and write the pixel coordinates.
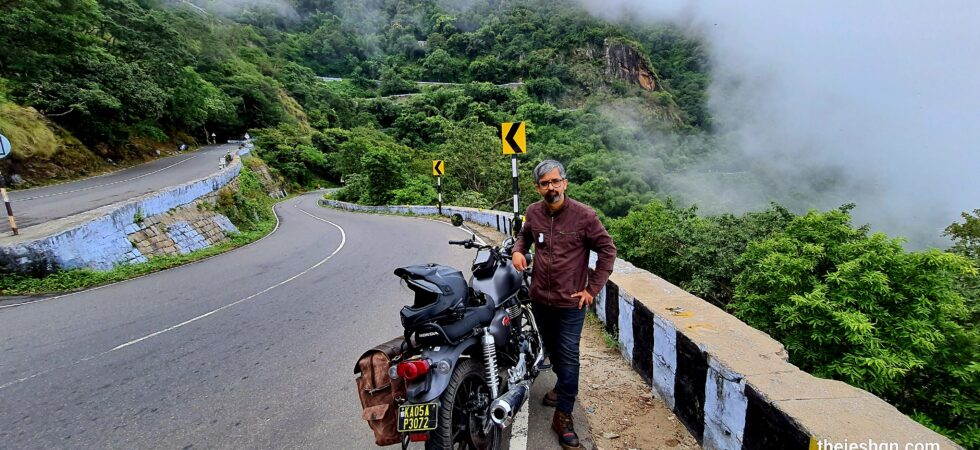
(847, 303)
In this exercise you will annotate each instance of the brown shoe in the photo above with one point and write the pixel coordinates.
(562, 424)
(550, 399)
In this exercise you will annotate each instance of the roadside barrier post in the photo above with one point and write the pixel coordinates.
(438, 170)
(5, 150)
(513, 138)
(6, 203)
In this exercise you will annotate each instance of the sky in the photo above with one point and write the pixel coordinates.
(881, 97)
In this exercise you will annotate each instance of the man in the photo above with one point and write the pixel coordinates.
(562, 231)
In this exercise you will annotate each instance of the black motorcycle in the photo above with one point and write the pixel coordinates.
(471, 351)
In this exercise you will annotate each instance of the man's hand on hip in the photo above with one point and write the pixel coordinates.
(584, 298)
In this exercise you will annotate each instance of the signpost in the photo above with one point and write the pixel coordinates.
(513, 137)
(5, 150)
(438, 170)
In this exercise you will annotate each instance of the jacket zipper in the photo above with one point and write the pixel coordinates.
(551, 252)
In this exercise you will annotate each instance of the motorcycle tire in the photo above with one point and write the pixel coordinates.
(460, 427)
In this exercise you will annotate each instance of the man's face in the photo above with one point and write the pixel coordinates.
(552, 186)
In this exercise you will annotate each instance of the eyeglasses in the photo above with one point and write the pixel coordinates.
(552, 183)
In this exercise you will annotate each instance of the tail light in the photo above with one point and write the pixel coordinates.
(411, 370)
(419, 437)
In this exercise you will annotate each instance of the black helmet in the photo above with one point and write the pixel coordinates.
(438, 290)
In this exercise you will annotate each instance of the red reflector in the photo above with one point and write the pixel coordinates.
(410, 370)
(418, 437)
(506, 321)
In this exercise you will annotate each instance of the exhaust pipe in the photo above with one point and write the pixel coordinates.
(502, 409)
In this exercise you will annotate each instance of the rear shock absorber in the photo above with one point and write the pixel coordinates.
(490, 361)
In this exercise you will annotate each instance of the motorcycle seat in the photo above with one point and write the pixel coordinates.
(473, 317)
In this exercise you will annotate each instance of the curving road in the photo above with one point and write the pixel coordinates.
(250, 349)
(43, 204)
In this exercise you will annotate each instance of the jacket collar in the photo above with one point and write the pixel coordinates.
(564, 207)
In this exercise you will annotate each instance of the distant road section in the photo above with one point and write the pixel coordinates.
(427, 83)
(40, 205)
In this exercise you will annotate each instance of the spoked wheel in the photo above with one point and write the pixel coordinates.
(463, 412)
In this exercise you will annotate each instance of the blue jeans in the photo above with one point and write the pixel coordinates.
(561, 330)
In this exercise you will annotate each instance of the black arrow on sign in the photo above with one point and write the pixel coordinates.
(510, 137)
(439, 167)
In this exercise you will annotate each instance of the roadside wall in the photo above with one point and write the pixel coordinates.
(497, 219)
(174, 220)
(731, 385)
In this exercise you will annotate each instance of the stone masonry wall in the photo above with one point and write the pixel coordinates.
(183, 230)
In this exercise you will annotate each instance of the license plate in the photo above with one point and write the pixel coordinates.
(421, 417)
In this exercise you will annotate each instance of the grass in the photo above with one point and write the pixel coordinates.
(79, 279)
(611, 340)
(27, 131)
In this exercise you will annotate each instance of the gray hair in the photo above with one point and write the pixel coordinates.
(547, 166)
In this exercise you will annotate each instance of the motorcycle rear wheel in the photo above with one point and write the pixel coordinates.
(463, 410)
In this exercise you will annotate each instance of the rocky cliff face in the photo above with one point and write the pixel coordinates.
(624, 62)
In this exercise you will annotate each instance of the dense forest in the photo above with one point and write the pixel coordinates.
(622, 105)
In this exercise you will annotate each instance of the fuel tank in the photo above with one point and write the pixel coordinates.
(500, 286)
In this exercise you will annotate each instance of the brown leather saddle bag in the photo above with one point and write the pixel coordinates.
(380, 396)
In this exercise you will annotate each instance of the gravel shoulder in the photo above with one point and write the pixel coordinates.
(623, 411)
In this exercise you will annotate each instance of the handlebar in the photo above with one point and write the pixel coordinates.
(469, 243)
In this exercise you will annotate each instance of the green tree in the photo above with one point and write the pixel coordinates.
(393, 83)
(383, 170)
(195, 103)
(418, 190)
(441, 66)
(857, 307)
(966, 235)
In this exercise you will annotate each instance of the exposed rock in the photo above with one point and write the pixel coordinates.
(624, 62)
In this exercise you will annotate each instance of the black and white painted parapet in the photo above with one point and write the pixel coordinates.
(732, 385)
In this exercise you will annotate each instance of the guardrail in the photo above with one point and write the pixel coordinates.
(730, 384)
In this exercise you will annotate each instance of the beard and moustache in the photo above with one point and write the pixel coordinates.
(552, 197)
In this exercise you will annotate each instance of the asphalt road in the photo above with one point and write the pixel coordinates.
(39, 205)
(250, 349)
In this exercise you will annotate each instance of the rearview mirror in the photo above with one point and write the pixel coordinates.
(456, 219)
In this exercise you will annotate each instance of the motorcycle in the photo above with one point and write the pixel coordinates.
(471, 351)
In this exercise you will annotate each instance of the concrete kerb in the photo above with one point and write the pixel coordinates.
(98, 238)
(730, 384)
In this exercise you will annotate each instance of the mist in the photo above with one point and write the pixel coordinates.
(824, 103)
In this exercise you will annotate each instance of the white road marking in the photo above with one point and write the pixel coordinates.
(343, 240)
(56, 297)
(103, 185)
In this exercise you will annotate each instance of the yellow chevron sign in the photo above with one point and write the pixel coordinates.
(438, 167)
(514, 138)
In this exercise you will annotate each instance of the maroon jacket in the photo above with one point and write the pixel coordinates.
(561, 252)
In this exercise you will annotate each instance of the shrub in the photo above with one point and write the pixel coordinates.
(857, 307)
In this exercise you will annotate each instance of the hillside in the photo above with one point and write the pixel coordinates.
(623, 105)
